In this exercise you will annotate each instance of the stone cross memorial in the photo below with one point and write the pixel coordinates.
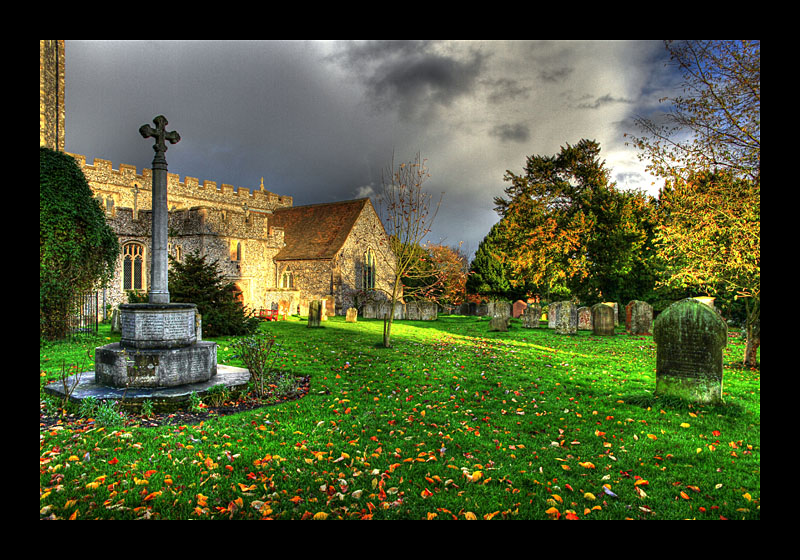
(690, 337)
(159, 345)
(159, 292)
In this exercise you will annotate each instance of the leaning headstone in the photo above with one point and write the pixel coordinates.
(531, 317)
(499, 324)
(690, 337)
(567, 318)
(352, 315)
(584, 319)
(518, 308)
(602, 320)
(638, 317)
(315, 310)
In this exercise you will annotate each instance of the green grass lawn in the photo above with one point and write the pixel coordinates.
(452, 422)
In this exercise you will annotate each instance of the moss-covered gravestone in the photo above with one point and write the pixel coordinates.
(689, 338)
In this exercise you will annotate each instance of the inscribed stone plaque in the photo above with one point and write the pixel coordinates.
(690, 337)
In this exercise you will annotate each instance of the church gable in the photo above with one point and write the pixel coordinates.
(317, 231)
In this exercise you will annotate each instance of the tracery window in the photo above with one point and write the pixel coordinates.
(133, 266)
(287, 280)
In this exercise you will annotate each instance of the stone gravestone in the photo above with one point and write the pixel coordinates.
(638, 317)
(531, 317)
(584, 319)
(615, 306)
(567, 318)
(499, 324)
(498, 309)
(352, 315)
(315, 310)
(283, 309)
(116, 325)
(552, 313)
(690, 337)
(602, 319)
(518, 308)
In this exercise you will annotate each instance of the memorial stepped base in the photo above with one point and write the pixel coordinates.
(160, 356)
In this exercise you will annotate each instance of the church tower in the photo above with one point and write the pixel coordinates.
(51, 94)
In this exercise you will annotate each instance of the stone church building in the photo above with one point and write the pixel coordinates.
(274, 252)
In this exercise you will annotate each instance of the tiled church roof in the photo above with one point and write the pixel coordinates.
(316, 231)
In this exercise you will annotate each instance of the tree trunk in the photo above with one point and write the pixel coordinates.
(753, 341)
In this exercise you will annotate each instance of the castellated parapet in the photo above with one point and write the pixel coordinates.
(124, 187)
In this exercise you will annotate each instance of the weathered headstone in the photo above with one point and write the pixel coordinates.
(552, 313)
(690, 337)
(531, 317)
(498, 309)
(584, 319)
(428, 311)
(330, 307)
(567, 318)
(315, 310)
(116, 322)
(602, 319)
(518, 308)
(499, 324)
(638, 317)
(283, 309)
(615, 306)
(352, 315)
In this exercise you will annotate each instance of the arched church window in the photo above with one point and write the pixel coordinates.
(369, 270)
(287, 280)
(133, 266)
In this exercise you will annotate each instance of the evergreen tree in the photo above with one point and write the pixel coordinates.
(200, 282)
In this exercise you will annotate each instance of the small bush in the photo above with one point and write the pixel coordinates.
(258, 355)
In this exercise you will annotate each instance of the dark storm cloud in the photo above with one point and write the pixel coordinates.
(411, 76)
